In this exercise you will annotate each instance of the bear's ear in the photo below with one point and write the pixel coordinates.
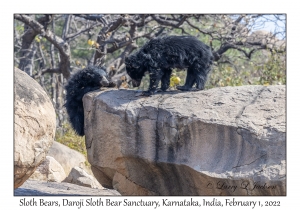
(135, 65)
(126, 60)
(132, 62)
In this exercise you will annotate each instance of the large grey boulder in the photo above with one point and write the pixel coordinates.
(34, 126)
(222, 141)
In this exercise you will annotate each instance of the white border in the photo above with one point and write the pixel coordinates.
(153, 6)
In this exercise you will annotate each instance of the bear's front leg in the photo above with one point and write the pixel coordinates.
(165, 79)
(155, 77)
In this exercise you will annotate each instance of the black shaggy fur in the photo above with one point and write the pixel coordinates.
(160, 55)
(86, 80)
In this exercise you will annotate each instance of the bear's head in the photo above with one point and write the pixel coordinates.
(135, 70)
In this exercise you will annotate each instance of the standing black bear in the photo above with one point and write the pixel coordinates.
(83, 81)
(160, 55)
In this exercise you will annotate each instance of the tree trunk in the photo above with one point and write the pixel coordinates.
(28, 50)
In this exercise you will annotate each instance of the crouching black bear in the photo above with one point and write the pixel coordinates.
(160, 55)
(82, 82)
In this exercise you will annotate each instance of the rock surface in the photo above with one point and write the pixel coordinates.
(34, 126)
(67, 157)
(39, 188)
(222, 141)
(50, 170)
(80, 177)
(70, 168)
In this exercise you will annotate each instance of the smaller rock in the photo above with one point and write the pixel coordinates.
(50, 170)
(67, 157)
(40, 188)
(80, 177)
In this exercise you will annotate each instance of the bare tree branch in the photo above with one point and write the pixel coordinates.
(59, 43)
(66, 26)
(72, 36)
(97, 18)
(104, 34)
(169, 23)
(200, 30)
(27, 51)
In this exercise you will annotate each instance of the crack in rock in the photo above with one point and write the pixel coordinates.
(239, 115)
(250, 162)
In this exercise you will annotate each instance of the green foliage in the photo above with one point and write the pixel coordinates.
(69, 138)
(264, 68)
(273, 72)
(19, 28)
(225, 76)
(80, 49)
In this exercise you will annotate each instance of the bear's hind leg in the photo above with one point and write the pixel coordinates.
(189, 82)
(201, 78)
(200, 81)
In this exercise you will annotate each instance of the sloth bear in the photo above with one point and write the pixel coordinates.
(160, 55)
(83, 81)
